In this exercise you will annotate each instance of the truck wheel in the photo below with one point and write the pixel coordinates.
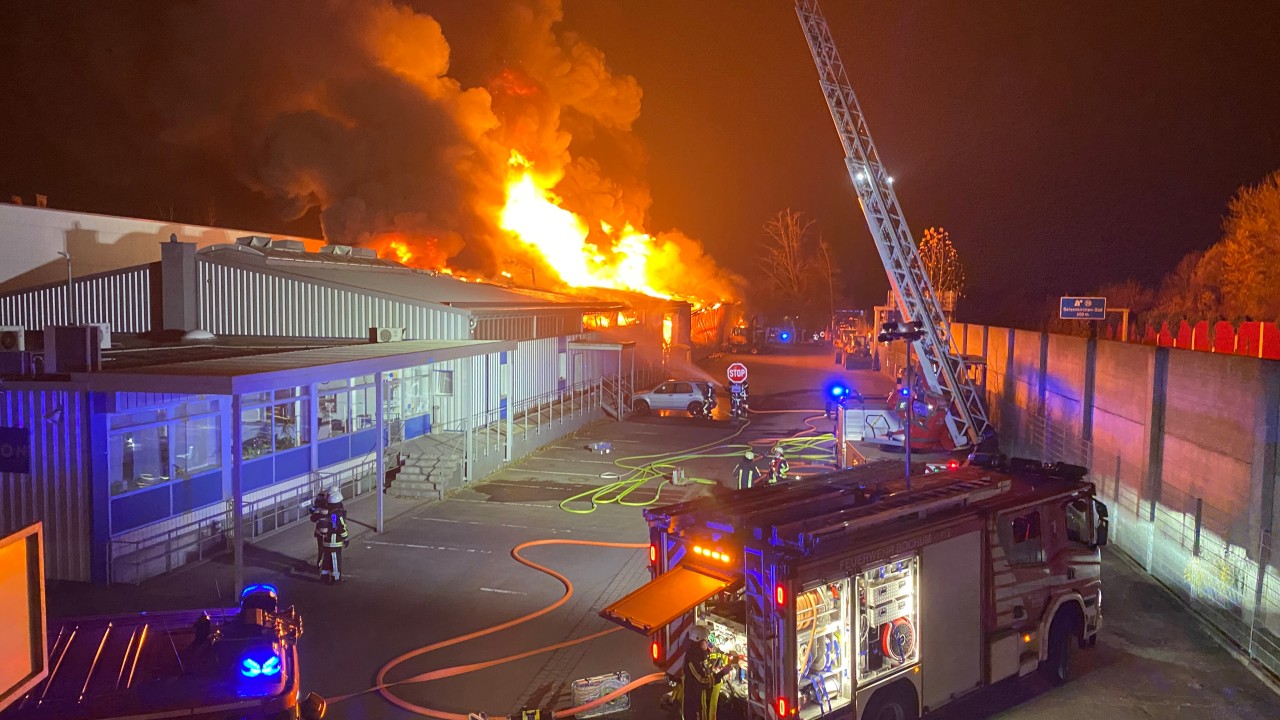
(896, 702)
(642, 407)
(1062, 635)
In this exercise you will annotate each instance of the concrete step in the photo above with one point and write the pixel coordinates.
(423, 490)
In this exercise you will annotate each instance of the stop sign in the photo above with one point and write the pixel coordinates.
(737, 373)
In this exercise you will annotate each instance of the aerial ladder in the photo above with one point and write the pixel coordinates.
(944, 369)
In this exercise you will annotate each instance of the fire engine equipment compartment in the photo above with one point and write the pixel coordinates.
(847, 593)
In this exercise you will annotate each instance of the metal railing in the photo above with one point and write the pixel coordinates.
(481, 435)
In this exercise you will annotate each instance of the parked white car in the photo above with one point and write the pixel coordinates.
(683, 395)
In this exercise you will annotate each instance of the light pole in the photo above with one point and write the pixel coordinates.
(911, 332)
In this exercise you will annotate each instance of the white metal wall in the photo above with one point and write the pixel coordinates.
(240, 301)
(58, 490)
(121, 299)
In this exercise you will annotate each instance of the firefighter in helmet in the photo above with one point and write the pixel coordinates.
(332, 537)
(747, 472)
(704, 674)
(778, 465)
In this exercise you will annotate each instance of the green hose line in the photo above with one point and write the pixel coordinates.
(637, 471)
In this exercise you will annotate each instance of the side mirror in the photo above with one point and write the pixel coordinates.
(1101, 525)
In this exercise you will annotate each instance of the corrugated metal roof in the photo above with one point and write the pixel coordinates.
(268, 371)
(391, 278)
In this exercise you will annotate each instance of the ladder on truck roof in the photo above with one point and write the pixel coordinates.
(944, 370)
(809, 534)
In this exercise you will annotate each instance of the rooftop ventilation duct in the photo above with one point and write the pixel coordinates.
(254, 241)
(295, 245)
(349, 251)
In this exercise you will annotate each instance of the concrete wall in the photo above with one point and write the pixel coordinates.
(1184, 447)
(31, 238)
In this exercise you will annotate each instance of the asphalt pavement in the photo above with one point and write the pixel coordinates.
(443, 570)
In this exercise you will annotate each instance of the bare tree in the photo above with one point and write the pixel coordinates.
(942, 263)
(828, 269)
(788, 261)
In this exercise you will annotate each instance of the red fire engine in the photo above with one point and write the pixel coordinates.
(850, 595)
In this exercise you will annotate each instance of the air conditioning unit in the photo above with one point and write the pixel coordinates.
(386, 334)
(13, 337)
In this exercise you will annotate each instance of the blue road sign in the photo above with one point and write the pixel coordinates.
(1083, 308)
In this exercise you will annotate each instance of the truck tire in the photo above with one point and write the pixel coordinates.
(896, 702)
(1063, 633)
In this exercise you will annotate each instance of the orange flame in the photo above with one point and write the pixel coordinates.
(533, 214)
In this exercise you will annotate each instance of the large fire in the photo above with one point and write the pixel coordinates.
(533, 214)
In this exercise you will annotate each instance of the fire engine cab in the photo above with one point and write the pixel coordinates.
(850, 595)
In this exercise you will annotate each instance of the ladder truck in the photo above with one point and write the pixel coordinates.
(944, 370)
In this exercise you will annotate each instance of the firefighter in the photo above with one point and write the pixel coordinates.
(747, 472)
(331, 534)
(327, 501)
(778, 465)
(704, 674)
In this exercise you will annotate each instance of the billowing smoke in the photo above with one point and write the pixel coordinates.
(349, 109)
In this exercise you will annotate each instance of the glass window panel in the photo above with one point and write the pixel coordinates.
(292, 425)
(362, 380)
(255, 429)
(255, 398)
(199, 406)
(197, 445)
(334, 418)
(363, 404)
(415, 401)
(333, 385)
(139, 458)
(142, 417)
(444, 382)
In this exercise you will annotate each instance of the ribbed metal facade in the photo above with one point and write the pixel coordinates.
(527, 326)
(58, 490)
(240, 301)
(120, 298)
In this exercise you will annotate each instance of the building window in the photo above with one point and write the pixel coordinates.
(333, 409)
(444, 382)
(152, 447)
(196, 445)
(274, 427)
(364, 405)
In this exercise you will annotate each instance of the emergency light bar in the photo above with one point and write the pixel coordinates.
(711, 554)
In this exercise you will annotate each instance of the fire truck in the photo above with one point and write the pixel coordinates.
(860, 594)
(226, 664)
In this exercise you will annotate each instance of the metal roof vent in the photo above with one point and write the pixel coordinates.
(334, 249)
(254, 241)
(364, 252)
(295, 245)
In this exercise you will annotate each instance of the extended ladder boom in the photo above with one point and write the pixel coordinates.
(944, 370)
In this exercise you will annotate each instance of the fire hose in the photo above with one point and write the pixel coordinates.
(384, 687)
(635, 474)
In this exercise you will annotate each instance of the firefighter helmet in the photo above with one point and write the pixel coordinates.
(749, 455)
(698, 633)
(335, 496)
(777, 450)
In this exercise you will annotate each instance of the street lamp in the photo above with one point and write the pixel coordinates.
(911, 332)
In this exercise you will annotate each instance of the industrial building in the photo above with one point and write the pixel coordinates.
(137, 403)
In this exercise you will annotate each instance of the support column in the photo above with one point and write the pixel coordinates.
(1090, 381)
(511, 405)
(1155, 449)
(237, 492)
(313, 403)
(380, 461)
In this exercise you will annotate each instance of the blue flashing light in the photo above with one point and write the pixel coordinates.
(251, 668)
(906, 391)
(260, 587)
(786, 337)
(838, 391)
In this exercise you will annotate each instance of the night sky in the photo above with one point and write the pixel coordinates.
(1063, 145)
